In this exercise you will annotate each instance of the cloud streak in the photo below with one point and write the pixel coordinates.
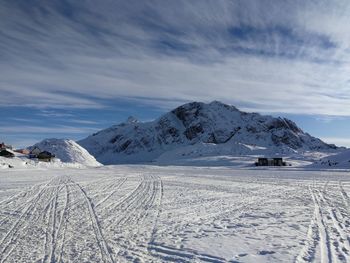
(59, 129)
(269, 56)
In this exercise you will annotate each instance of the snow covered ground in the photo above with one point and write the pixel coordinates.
(175, 214)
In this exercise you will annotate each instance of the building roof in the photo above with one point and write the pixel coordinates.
(7, 150)
(45, 154)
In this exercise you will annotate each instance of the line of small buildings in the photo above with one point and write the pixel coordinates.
(270, 162)
(35, 153)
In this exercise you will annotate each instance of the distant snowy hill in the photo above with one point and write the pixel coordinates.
(339, 160)
(197, 129)
(67, 151)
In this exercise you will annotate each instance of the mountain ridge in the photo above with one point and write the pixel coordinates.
(197, 123)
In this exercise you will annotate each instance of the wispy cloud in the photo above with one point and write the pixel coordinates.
(52, 113)
(272, 56)
(59, 129)
(337, 141)
(329, 119)
(82, 121)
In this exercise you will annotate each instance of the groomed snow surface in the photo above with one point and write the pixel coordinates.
(174, 214)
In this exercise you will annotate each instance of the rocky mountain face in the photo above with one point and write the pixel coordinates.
(194, 124)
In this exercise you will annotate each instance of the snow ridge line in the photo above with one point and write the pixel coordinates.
(106, 256)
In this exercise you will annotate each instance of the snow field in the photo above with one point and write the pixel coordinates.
(174, 214)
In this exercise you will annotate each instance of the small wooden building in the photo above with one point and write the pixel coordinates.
(7, 153)
(5, 146)
(45, 156)
(262, 162)
(277, 161)
(270, 162)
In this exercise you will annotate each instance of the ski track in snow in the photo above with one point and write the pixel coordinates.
(174, 214)
(329, 229)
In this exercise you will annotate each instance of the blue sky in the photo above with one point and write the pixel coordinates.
(69, 68)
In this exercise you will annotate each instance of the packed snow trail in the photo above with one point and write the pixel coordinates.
(174, 214)
(329, 229)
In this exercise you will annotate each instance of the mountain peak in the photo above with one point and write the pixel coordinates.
(198, 123)
(132, 119)
(217, 103)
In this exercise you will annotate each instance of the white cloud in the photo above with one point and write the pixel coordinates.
(77, 62)
(59, 129)
(337, 141)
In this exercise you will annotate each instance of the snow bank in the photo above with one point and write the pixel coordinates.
(22, 162)
(339, 161)
(67, 151)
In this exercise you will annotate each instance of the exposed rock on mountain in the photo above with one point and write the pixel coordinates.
(196, 124)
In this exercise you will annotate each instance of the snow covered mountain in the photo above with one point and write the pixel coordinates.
(197, 125)
(67, 151)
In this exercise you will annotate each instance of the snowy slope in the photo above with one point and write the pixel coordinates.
(67, 151)
(339, 160)
(23, 163)
(194, 124)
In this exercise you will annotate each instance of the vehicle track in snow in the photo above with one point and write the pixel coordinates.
(329, 230)
(140, 207)
(114, 188)
(43, 222)
(26, 226)
(147, 215)
(106, 256)
(50, 222)
(345, 197)
(62, 226)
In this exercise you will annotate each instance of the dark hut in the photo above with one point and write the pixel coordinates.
(45, 156)
(270, 162)
(7, 153)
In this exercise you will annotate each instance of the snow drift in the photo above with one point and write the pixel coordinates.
(67, 151)
(339, 161)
